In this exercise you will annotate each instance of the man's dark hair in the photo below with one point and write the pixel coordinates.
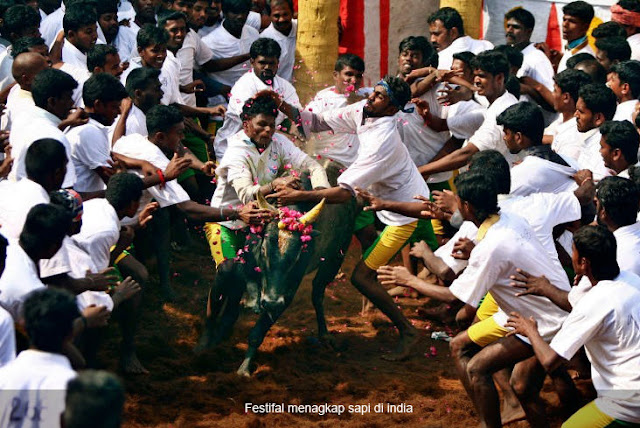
(599, 99)
(620, 199)
(24, 44)
(579, 9)
(97, 55)
(621, 134)
(493, 62)
(598, 245)
(162, 118)
(634, 175)
(349, 60)
(629, 72)
(6, 4)
(49, 314)
(617, 48)
(512, 85)
(51, 83)
(261, 104)
(631, 5)
(480, 191)
(450, 18)
(78, 16)
(526, 118)
(523, 16)
(466, 57)
(570, 81)
(140, 79)
(43, 157)
(514, 55)
(94, 398)
(265, 47)
(46, 225)
(609, 29)
(236, 6)
(171, 15)
(493, 163)
(19, 17)
(106, 6)
(151, 35)
(400, 88)
(419, 43)
(594, 69)
(123, 189)
(104, 87)
(272, 3)
(578, 58)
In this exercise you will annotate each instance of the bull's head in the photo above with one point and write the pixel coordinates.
(282, 253)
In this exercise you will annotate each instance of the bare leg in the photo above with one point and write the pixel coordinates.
(364, 279)
(511, 409)
(129, 314)
(527, 380)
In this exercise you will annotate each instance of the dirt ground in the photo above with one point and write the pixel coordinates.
(185, 390)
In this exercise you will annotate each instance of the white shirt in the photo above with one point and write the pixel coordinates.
(126, 11)
(6, 62)
(169, 75)
(423, 142)
(125, 42)
(90, 149)
(244, 169)
(628, 247)
(73, 56)
(254, 20)
(139, 147)
(606, 321)
(625, 110)
(224, 45)
(51, 25)
(19, 101)
(383, 165)
(18, 197)
(193, 52)
(341, 147)
(534, 175)
(562, 66)
(100, 231)
(467, 230)
(33, 387)
(464, 118)
(205, 31)
(510, 244)
(461, 44)
(536, 65)
(7, 337)
(82, 263)
(20, 277)
(34, 125)
(246, 87)
(567, 140)
(287, 46)
(490, 136)
(136, 123)
(634, 43)
(590, 157)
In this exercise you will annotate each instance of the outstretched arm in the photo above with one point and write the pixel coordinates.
(455, 160)
(549, 359)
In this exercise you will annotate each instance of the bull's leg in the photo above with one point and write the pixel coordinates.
(325, 274)
(222, 305)
(273, 304)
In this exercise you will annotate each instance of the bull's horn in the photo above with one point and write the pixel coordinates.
(263, 204)
(312, 215)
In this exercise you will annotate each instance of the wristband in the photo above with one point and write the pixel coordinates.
(162, 179)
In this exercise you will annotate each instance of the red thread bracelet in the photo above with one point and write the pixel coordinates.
(161, 175)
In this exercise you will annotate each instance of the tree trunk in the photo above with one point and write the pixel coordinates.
(471, 11)
(316, 47)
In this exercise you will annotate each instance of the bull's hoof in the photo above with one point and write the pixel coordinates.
(206, 341)
(244, 370)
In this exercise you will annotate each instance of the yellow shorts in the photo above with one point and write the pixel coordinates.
(590, 416)
(487, 330)
(390, 241)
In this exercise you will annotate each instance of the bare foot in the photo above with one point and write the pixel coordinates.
(442, 313)
(408, 346)
(399, 291)
(126, 290)
(243, 370)
(130, 364)
(367, 307)
(510, 413)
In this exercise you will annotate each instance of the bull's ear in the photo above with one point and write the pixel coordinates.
(263, 204)
(312, 215)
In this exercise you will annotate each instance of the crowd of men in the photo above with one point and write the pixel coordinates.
(504, 176)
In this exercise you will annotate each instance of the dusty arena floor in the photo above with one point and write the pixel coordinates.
(185, 390)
